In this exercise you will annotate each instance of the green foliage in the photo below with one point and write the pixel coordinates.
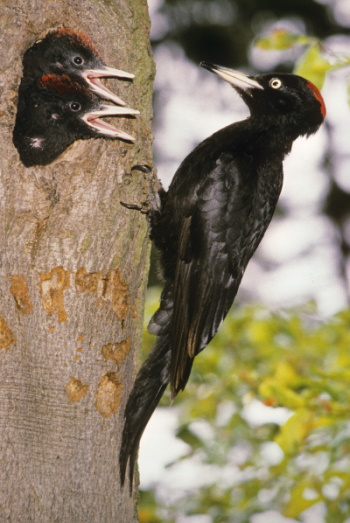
(280, 40)
(315, 62)
(292, 360)
(292, 363)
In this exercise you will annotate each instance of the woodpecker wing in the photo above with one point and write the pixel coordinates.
(207, 275)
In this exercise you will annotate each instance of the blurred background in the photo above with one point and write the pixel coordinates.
(304, 255)
(303, 262)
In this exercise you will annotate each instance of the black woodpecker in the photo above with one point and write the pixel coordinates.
(210, 222)
(55, 112)
(64, 51)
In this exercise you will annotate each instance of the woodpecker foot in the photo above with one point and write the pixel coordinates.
(152, 205)
(141, 208)
(143, 168)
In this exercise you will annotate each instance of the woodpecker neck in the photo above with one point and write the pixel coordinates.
(273, 135)
(259, 139)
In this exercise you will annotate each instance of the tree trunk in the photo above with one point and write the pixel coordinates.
(73, 272)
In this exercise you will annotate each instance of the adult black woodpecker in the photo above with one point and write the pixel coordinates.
(65, 51)
(58, 111)
(211, 220)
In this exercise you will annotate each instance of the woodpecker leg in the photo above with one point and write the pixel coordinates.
(143, 168)
(134, 207)
(153, 204)
(143, 209)
(150, 209)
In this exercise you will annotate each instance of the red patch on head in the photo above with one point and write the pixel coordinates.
(318, 97)
(80, 39)
(62, 84)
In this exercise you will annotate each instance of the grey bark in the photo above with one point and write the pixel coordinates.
(73, 270)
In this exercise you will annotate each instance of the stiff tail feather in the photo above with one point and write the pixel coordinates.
(150, 384)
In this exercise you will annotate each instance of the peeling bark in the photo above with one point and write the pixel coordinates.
(73, 271)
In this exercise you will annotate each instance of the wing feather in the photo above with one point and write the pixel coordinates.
(207, 277)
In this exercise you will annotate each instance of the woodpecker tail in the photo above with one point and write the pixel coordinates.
(150, 384)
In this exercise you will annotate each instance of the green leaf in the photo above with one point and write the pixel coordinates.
(276, 394)
(290, 362)
(281, 40)
(187, 436)
(300, 500)
(294, 432)
(313, 65)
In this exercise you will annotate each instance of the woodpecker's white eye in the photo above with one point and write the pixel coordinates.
(275, 83)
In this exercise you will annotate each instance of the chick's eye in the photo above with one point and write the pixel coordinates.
(275, 83)
(75, 106)
(78, 60)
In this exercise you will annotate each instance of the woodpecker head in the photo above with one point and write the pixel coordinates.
(65, 51)
(286, 100)
(57, 112)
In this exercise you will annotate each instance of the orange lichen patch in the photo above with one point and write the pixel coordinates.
(80, 349)
(7, 337)
(52, 286)
(135, 311)
(116, 352)
(108, 395)
(75, 390)
(117, 292)
(80, 338)
(111, 287)
(19, 290)
(88, 281)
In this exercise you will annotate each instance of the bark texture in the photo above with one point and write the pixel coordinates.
(73, 271)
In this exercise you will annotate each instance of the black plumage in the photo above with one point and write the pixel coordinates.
(55, 112)
(210, 222)
(61, 72)
(65, 51)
